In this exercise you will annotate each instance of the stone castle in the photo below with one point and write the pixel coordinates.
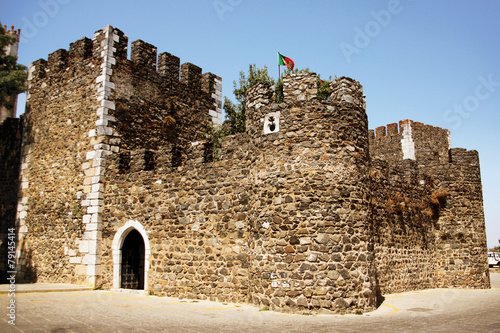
(306, 210)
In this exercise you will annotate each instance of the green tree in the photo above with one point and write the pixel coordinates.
(12, 75)
(235, 113)
(235, 117)
(324, 90)
(496, 248)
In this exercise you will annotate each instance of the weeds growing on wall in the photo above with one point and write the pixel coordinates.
(213, 135)
(438, 198)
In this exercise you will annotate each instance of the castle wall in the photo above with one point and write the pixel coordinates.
(144, 97)
(450, 183)
(460, 235)
(386, 143)
(404, 222)
(260, 225)
(407, 139)
(61, 109)
(85, 106)
(197, 219)
(431, 144)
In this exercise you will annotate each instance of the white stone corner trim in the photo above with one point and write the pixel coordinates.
(407, 143)
(95, 165)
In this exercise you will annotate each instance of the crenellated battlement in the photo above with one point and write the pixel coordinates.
(300, 89)
(169, 66)
(144, 60)
(161, 72)
(12, 31)
(383, 131)
(397, 128)
(58, 60)
(304, 87)
(81, 49)
(410, 140)
(143, 55)
(345, 90)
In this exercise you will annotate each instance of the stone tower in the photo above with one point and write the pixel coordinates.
(314, 244)
(85, 106)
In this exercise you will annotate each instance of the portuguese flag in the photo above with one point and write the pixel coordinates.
(285, 61)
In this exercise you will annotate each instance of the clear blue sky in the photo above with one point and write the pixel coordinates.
(432, 61)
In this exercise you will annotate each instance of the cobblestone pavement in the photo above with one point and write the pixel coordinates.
(436, 310)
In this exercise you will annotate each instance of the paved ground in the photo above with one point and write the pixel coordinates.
(436, 310)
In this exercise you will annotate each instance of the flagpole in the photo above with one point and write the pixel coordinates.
(279, 74)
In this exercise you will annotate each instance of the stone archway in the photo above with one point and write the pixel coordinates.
(132, 265)
(132, 243)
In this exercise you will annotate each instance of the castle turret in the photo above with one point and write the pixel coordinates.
(312, 236)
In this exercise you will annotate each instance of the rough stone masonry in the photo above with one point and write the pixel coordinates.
(307, 210)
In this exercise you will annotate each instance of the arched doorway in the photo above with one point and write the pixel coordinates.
(132, 266)
(131, 252)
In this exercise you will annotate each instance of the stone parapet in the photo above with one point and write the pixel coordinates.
(300, 87)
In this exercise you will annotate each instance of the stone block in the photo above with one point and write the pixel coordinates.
(86, 218)
(302, 302)
(94, 247)
(83, 247)
(98, 187)
(94, 195)
(81, 270)
(90, 155)
(93, 227)
(75, 260)
(94, 209)
(96, 202)
(93, 270)
(89, 172)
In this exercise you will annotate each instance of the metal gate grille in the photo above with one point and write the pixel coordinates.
(132, 268)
